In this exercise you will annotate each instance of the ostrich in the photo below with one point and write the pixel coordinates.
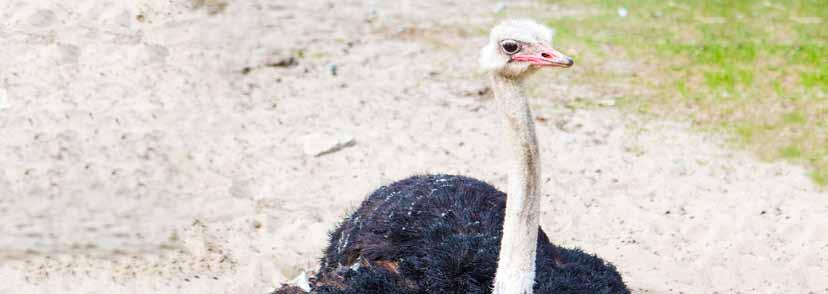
(454, 234)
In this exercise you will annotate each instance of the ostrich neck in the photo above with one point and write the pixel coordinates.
(516, 263)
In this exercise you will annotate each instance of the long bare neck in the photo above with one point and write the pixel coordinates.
(516, 263)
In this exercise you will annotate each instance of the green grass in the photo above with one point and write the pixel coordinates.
(757, 70)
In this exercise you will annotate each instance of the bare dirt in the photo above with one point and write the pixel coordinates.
(162, 147)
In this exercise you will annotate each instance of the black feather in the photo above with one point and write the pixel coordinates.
(441, 234)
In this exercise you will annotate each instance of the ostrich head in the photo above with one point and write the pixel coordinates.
(517, 47)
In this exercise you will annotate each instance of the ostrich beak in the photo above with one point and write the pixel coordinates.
(540, 55)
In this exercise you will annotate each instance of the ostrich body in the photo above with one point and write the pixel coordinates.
(454, 234)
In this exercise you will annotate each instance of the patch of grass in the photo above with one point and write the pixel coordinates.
(815, 79)
(755, 69)
(820, 176)
(791, 152)
(795, 117)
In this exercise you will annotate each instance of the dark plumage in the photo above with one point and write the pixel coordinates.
(441, 234)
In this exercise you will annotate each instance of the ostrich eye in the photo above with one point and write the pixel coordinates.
(510, 47)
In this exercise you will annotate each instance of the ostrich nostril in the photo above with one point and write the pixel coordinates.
(546, 55)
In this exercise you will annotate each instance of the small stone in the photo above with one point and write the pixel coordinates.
(284, 62)
(606, 102)
(568, 126)
(320, 144)
(622, 12)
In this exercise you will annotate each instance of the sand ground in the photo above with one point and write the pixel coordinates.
(160, 147)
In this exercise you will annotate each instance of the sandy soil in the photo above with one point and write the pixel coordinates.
(150, 147)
